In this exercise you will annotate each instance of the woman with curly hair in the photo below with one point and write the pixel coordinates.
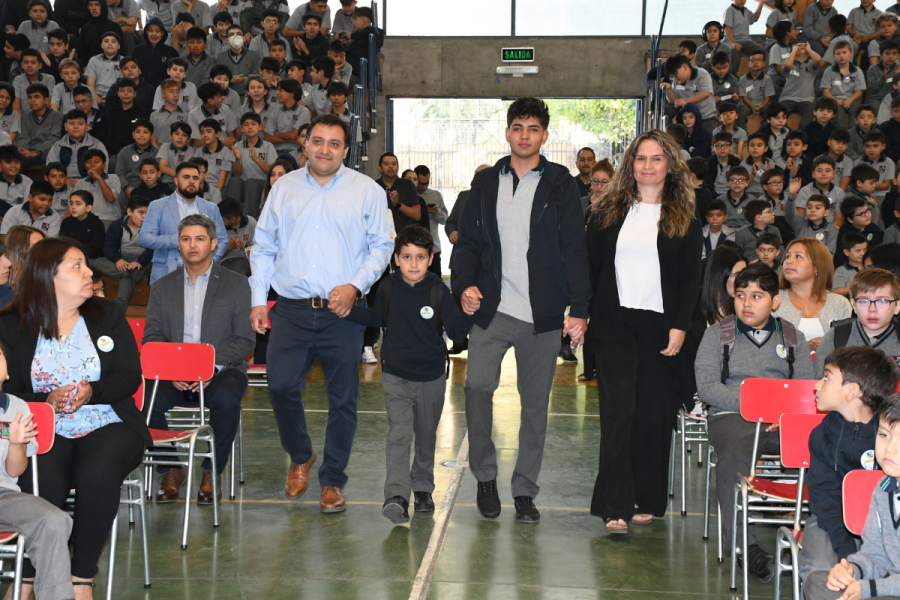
(644, 245)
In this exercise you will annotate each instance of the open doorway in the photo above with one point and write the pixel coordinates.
(452, 136)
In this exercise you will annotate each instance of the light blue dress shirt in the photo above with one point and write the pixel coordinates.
(310, 238)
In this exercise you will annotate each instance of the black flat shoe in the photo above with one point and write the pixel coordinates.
(396, 510)
(424, 502)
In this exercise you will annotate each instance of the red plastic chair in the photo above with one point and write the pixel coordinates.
(257, 378)
(12, 545)
(168, 361)
(858, 488)
(137, 328)
(795, 431)
(763, 401)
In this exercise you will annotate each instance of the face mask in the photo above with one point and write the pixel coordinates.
(236, 41)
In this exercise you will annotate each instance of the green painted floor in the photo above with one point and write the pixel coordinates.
(273, 548)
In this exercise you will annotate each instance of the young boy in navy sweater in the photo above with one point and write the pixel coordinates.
(415, 308)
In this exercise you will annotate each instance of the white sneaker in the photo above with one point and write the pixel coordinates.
(368, 356)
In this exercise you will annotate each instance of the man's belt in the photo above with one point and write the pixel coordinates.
(313, 302)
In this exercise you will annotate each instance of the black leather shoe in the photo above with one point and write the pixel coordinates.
(568, 356)
(396, 509)
(525, 510)
(424, 503)
(759, 563)
(488, 499)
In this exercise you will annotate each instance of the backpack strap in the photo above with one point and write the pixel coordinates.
(728, 332)
(842, 334)
(789, 335)
(385, 288)
(437, 304)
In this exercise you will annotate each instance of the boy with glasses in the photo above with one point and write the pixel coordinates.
(857, 218)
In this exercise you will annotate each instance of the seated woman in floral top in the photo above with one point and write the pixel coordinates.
(77, 353)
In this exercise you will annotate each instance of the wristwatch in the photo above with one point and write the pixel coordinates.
(358, 292)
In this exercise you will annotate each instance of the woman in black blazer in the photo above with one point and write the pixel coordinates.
(644, 246)
(55, 328)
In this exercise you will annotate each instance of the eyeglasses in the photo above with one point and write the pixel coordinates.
(775, 183)
(270, 22)
(868, 211)
(879, 303)
(757, 60)
(84, 101)
(722, 145)
(600, 182)
(737, 180)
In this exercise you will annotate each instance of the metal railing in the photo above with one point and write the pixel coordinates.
(655, 115)
(372, 81)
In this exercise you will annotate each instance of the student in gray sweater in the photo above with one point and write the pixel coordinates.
(758, 345)
(760, 221)
(814, 224)
(874, 323)
(873, 571)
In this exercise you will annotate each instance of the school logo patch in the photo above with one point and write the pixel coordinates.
(117, 69)
(262, 156)
(4, 123)
(245, 237)
(896, 359)
(185, 99)
(867, 460)
(179, 119)
(45, 226)
(219, 164)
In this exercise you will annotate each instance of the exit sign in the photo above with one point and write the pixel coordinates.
(517, 54)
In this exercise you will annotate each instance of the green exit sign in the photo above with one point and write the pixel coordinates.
(517, 54)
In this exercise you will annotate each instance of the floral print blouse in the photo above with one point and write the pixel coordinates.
(58, 363)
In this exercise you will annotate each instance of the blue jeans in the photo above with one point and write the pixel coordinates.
(300, 334)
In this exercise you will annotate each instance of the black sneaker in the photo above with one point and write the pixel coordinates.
(568, 356)
(759, 563)
(488, 499)
(424, 503)
(396, 510)
(525, 510)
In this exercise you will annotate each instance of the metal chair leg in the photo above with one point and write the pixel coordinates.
(241, 445)
(110, 576)
(231, 460)
(20, 564)
(708, 498)
(684, 449)
(733, 586)
(130, 492)
(672, 468)
(215, 480)
(187, 488)
(745, 517)
(144, 548)
(719, 531)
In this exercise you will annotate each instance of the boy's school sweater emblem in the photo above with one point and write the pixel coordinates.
(427, 312)
(45, 226)
(105, 343)
(218, 162)
(896, 360)
(867, 460)
(820, 236)
(869, 237)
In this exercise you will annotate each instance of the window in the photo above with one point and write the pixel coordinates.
(577, 18)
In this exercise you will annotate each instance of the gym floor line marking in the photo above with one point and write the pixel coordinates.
(441, 524)
(384, 412)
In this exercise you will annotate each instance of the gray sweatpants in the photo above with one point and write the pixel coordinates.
(732, 438)
(535, 367)
(46, 530)
(815, 588)
(817, 553)
(413, 409)
(128, 280)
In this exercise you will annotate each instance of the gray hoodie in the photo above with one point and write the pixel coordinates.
(877, 564)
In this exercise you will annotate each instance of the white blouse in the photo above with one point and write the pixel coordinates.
(637, 259)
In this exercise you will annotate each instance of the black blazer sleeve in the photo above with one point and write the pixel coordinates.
(571, 241)
(688, 278)
(120, 369)
(470, 244)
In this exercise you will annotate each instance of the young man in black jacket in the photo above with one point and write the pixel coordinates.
(83, 226)
(92, 32)
(518, 297)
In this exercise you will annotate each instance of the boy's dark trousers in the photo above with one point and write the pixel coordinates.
(732, 438)
(817, 553)
(128, 280)
(413, 408)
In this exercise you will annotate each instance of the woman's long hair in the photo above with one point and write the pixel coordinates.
(35, 298)
(18, 242)
(715, 303)
(677, 195)
(823, 265)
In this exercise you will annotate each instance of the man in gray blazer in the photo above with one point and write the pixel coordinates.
(202, 303)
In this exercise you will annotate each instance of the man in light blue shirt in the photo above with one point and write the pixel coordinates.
(160, 230)
(322, 240)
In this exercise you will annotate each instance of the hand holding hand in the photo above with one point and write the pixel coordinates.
(453, 237)
(57, 398)
(575, 328)
(471, 300)
(134, 265)
(841, 576)
(341, 299)
(122, 264)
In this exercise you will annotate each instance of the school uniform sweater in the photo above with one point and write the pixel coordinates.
(413, 349)
(746, 237)
(877, 563)
(89, 232)
(747, 359)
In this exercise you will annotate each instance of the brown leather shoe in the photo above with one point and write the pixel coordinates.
(169, 484)
(298, 477)
(204, 495)
(332, 500)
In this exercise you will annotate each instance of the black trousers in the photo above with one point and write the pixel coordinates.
(94, 466)
(637, 412)
(223, 398)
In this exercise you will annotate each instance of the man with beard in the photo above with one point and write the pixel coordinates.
(160, 230)
(584, 160)
(323, 239)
